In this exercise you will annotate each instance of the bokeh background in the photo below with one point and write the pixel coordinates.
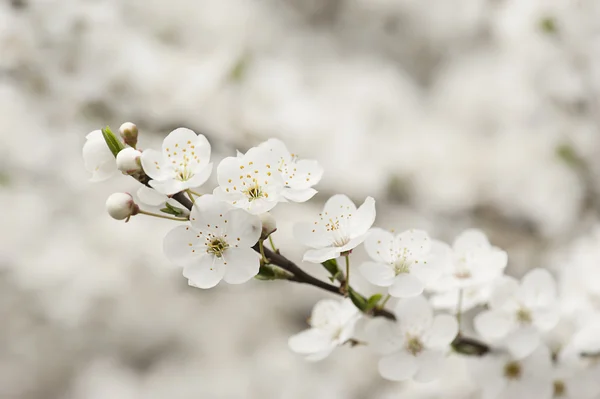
(452, 114)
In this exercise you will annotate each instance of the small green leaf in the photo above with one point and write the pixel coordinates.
(113, 143)
(373, 301)
(332, 267)
(271, 272)
(568, 155)
(174, 210)
(358, 300)
(548, 25)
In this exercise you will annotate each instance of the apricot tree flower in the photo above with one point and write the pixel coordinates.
(298, 175)
(250, 181)
(332, 324)
(414, 346)
(338, 229)
(183, 164)
(500, 375)
(97, 157)
(518, 313)
(405, 263)
(216, 245)
(473, 267)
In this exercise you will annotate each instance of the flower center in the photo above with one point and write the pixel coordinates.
(414, 345)
(512, 371)
(254, 192)
(216, 247)
(559, 388)
(402, 265)
(524, 316)
(183, 174)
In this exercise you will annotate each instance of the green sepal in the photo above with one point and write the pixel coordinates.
(173, 210)
(114, 144)
(332, 267)
(271, 272)
(358, 300)
(373, 301)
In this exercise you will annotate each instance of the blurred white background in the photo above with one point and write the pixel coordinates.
(452, 114)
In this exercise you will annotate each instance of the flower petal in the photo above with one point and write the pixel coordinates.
(338, 205)
(415, 314)
(179, 246)
(414, 243)
(209, 214)
(320, 255)
(312, 235)
(167, 187)
(471, 239)
(308, 172)
(383, 336)
(379, 244)
(201, 175)
(379, 274)
(150, 197)
(241, 265)
(431, 364)
(309, 341)
(363, 218)
(299, 195)
(398, 366)
(443, 331)
(206, 273)
(492, 324)
(406, 285)
(152, 163)
(243, 229)
(504, 292)
(538, 288)
(523, 341)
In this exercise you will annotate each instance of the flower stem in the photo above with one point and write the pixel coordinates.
(273, 247)
(161, 216)
(459, 309)
(385, 301)
(262, 252)
(347, 281)
(189, 193)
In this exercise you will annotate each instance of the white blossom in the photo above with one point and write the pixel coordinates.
(518, 313)
(250, 181)
(501, 376)
(121, 206)
(332, 324)
(405, 263)
(128, 161)
(216, 245)
(474, 266)
(338, 229)
(298, 175)
(98, 158)
(183, 164)
(415, 345)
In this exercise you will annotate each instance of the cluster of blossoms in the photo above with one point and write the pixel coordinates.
(518, 349)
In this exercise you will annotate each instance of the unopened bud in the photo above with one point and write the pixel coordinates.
(128, 161)
(121, 206)
(269, 225)
(129, 133)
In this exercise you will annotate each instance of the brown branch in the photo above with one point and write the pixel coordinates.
(464, 345)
